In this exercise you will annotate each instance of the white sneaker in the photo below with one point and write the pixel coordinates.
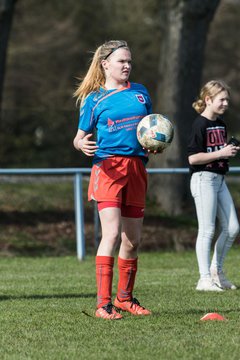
(221, 281)
(206, 284)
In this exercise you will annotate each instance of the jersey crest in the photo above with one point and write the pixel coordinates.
(141, 98)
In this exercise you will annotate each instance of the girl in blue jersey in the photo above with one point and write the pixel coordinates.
(208, 159)
(114, 106)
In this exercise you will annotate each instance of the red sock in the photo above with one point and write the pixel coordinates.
(127, 271)
(104, 275)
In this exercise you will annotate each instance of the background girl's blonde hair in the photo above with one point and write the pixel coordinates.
(95, 77)
(211, 89)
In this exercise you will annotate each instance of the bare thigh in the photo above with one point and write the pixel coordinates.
(110, 219)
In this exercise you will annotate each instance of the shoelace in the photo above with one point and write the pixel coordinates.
(136, 302)
(109, 308)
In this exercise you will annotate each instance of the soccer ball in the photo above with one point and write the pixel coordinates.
(155, 132)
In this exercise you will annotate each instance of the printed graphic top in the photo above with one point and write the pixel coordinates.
(208, 136)
(115, 114)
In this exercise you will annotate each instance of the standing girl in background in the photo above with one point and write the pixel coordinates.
(208, 159)
(118, 182)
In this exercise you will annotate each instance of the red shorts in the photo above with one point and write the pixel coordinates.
(119, 179)
(126, 210)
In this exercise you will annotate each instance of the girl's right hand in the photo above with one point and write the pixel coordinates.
(229, 151)
(87, 146)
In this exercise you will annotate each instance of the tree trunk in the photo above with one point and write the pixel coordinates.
(186, 24)
(6, 15)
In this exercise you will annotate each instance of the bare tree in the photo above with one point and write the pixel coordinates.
(186, 24)
(6, 14)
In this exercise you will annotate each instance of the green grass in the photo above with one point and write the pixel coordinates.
(47, 311)
(47, 303)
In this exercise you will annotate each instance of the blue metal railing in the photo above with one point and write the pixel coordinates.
(78, 192)
(78, 196)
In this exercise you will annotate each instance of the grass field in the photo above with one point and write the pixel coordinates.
(47, 297)
(47, 311)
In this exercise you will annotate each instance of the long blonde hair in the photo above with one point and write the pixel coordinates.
(211, 89)
(95, 76)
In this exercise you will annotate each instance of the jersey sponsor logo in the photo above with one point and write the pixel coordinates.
(111, 125)
(141, 99)
(127, 124)
(110, 122)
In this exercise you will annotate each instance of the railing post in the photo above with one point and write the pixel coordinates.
(79, 216)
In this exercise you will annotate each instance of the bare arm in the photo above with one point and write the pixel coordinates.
(82, 143)
(205, 158)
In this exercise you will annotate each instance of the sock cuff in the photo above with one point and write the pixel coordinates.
(127, 262)
(105, 260)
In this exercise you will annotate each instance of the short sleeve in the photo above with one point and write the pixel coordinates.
(197, 138)
(86, 115)
(148, 99)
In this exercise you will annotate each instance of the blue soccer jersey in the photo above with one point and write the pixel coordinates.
(115, 114)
